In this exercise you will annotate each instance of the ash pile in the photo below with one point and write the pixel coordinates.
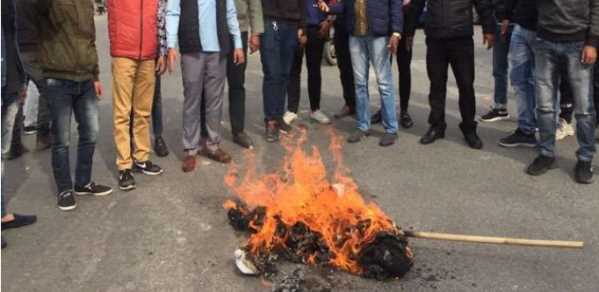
(386, 256)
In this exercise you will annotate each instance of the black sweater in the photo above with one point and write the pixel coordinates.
(521, 12)
(569, 21)
(285, 10)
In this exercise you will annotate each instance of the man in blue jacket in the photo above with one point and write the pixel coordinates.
(376, 28)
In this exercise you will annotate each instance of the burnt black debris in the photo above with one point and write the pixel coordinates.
(386, 257)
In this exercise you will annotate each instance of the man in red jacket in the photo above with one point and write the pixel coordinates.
(135, 43)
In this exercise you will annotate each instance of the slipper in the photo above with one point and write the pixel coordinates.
(20, 221)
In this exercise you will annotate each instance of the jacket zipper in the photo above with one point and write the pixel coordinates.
(141, 30)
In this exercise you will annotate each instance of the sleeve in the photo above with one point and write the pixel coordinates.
(397, 19)
(302, 8)
(415, 11)
(233, 24)
(593, 34)
(509, 7)
(162, 28)
(485, 10)
(337, 8)
(173, 12)
(499, 9)
(256, 17)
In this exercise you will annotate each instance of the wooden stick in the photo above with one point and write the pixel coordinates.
(494, 240)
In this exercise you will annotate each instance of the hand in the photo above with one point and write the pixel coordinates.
(161, 65)
(301, 38)
(99, 88)
(323, 6)
(505, 24)
(254, 43)
(325, 29)
(238, 56)
(409, 42)
(589, 55)
(171, 59)
(489, 40)
(393, 44)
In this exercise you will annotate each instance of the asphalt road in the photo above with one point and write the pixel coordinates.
(171, 234)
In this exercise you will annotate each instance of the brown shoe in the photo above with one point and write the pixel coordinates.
(219, 155)
(189, 163)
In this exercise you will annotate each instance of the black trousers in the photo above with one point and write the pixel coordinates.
(459, 54)
(313, 50)
(236, 81)
(346, 71)
(404, 62)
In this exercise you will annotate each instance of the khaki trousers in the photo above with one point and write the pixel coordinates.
(133, 91)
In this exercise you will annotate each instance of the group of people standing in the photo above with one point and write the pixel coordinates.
(52, 43)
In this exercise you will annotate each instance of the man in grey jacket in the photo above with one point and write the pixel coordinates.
(249, 15)
(567, 42)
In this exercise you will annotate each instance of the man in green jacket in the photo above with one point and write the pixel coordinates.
(249, 15)
(70, 69)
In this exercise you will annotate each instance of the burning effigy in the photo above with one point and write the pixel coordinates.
(302, 214)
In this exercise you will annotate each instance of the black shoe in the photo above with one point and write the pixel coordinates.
(19, 221)
(30, 130)
(495, 115)
(540, 165)
(243, 140)
(271, 132)
(431, 135)
(377, 118)
(473, 140)
(126, 180)
(147, 168)
(405, 120)
(160, 147)
(519, 139)
(93, 189)
(583, 172)
(357, 136)
(284, 128)
(388, 139)
(66, 201)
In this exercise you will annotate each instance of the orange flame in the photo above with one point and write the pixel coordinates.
(301, 192)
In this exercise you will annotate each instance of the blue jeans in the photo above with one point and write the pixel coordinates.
(500, 66)
(66, 97)
(278, 45)
(550, 59)
(373, 50)
(522, 63)
(12, 121)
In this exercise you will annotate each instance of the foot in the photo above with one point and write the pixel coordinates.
(147, 168)
(473, 140)
(377, 118)
(160, 147)
(126, 180)
(284, 127)
(320, 117)
(388, 139)
(30, 130)
(17, 220)
(66, 201)
(519, 139)
(289, 117)
(405, 120)
(540, 165)
(43, 142)
(563, 130)
(357, 136)
(93, 189)
(189, 163)
(495, 115)
(243, 140)
(344, 112)
(583, 172)
(431, 135)
(271, 132)
(218, 155)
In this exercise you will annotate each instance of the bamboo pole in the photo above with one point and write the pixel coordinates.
(494, 240)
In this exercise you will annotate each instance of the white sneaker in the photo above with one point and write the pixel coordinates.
(563, 130)
(289, 117)
(320, 117)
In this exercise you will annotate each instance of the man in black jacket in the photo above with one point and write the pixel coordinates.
(449, 30)
(567, 39)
